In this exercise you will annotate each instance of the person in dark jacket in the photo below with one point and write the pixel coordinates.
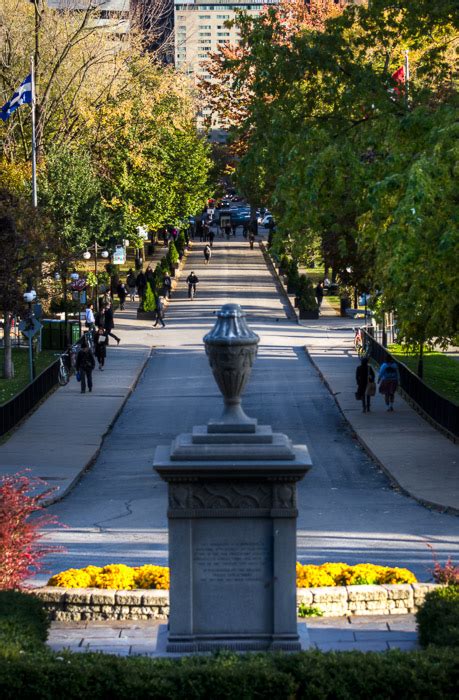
(122, 294)
(167, 285)
(109, 323)
(85, 364)
(100, 340)
(319, 293)
(366, 387)
(141, 284)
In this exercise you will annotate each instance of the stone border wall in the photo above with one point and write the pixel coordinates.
(75, 604)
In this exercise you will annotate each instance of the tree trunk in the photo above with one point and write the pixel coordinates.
(8, 367)
(421, 361)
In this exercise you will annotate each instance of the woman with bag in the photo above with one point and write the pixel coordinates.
(100, 339)
(388, 380)
(366, 387)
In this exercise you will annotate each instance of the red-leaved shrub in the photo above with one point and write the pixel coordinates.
(447, 573)
(21, 554)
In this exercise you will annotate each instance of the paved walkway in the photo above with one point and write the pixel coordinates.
(418, 459)
(377, 633)
(62, 437)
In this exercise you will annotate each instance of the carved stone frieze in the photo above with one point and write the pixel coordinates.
(231, 495)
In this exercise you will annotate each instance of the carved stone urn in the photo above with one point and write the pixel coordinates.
(231, 347)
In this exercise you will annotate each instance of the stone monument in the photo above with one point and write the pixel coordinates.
(232, 516)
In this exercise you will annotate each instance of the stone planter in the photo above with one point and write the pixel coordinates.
(308, 314)
(146, 315)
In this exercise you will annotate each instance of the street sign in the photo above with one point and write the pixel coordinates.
(119, 256)
(30, 327)
(79, 284)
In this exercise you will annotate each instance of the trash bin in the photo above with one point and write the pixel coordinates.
(344, 303)
(74, 332)
(53, 334)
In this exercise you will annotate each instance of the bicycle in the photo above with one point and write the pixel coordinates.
(362, 347)
(63, 375)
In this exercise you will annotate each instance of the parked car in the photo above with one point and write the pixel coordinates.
(267, 221)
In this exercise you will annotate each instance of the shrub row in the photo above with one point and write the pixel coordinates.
(346, 675)
(438, 619)
(121, 577)
(23, 622)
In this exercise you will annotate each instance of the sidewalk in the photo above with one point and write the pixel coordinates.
(147, 638)
(61, 439)
(417, 458)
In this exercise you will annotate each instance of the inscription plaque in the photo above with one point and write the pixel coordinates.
(227, 561)
(233, 560)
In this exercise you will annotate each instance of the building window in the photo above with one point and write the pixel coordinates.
(204, 41)
(223, 33)
(205, 33)
(205, 26)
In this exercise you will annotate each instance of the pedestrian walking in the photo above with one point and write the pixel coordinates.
(141, 284)
(109, 323)
(319, 292)
(150, 276)
(207, 254)
(228, 229)
(388, 380)
(366, 387)
(131, 284)
(211, 237)
(167, 285)
(85, 364)
(192, 281)
(251, 239)
(89, 316)
(100, 339)
(159, 313)
(121, 290)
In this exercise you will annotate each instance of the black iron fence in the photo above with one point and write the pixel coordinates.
(440, 410)
(18, 407)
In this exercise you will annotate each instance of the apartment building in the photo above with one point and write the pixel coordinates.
(200, 28)
(112, 15)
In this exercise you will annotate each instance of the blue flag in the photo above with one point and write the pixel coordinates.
(22, 96)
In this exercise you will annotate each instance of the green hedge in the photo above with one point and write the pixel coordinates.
(23, 623)
(438, 619)
(399, 675)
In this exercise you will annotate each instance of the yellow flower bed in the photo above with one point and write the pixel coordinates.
(117, 576)
(339, 574)
(121, 577)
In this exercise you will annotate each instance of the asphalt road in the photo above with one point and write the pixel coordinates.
(348, 510)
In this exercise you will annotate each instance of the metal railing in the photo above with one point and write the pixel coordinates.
(19, 406)
(443, 412)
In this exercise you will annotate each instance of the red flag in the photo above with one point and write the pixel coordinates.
(398, 77)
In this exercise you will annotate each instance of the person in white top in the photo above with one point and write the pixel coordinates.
(90, 321)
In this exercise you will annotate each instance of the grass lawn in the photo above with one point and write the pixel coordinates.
(441, 372)
(10, 387)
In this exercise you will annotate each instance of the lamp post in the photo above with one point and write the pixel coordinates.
(87, 256)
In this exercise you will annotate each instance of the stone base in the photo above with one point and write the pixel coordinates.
(207, 644)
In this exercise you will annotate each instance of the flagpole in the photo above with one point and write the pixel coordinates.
(407, 77)
(34, 143)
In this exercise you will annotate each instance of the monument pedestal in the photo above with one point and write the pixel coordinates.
(232, 540)
(232, 517)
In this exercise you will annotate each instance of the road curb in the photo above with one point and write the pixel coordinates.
(89, 464)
